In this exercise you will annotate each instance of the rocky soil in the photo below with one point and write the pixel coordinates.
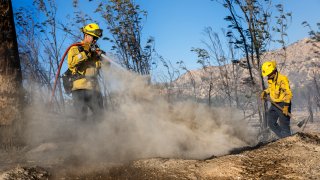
(295, 157)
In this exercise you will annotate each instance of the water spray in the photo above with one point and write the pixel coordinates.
(106, 58)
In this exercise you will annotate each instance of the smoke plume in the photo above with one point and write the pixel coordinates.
(138, 123)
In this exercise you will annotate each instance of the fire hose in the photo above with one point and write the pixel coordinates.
(103, 55)
(59, 69)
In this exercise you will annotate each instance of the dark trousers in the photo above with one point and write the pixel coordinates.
(84, 99)
(281, 128)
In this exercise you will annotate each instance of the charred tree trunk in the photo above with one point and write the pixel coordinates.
(10, 76)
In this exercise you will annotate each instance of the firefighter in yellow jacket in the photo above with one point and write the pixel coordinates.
(280, 93)
(84, 63)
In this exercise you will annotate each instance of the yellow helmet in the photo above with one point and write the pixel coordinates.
(92, 29)
(268, 67)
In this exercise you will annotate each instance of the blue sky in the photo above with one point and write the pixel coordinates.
(177, 25)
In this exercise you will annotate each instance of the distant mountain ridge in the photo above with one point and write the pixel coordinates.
(300, 61)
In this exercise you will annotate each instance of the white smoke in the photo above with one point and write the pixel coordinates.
(138, 123)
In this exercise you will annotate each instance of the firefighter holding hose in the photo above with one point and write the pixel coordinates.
(84, 64)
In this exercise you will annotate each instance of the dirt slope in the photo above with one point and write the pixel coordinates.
(295, 157)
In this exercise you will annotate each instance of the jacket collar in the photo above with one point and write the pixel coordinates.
(275, 77)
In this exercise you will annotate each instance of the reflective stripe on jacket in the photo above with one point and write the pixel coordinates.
(279, 89)
(85, 65)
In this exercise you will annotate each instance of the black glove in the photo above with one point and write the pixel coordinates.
(95, 48)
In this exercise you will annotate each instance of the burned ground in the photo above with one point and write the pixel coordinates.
(294, 157)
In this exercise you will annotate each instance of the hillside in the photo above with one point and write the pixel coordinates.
(299, 62)
(303, 59)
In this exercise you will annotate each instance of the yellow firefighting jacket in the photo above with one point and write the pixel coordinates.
(279, 89)
(86, 67)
